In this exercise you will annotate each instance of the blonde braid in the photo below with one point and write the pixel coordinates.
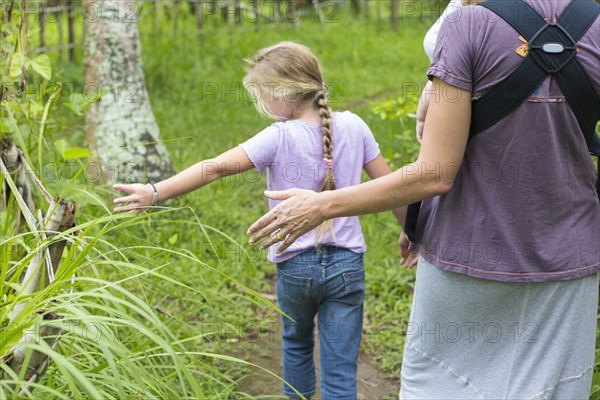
(325, 113)
(329, 181)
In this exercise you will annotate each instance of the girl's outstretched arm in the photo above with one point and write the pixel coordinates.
(139, 196)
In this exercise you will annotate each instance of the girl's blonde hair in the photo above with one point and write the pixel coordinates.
(289, 73)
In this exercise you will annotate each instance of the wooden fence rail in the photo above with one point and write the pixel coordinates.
(229, 13)
(54, 11)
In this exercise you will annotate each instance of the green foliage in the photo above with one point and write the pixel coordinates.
(118, 277)
(401, 112)
(174, 274)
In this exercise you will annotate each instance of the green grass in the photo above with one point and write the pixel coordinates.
(361, 65)
(363, 61)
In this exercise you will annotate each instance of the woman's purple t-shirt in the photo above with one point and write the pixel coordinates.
(292, 153)
(523, 207)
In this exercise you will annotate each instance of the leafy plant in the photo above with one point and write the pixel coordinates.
(402, 112)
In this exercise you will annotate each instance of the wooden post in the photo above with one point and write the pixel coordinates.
(62, 218)
(214, 8)
(239, 14)
(60, 34)
(24, 21)
(394, 14)
(71, 18)
(41, 13)
(276, 10)
(11, 157)
(318, 10)
(199, 11)
(229, 11)
(256, 7)
(175, 15)
(355, 8)
(156, 19)
(292, 11)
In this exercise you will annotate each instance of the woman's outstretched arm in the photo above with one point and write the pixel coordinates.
(440, 157)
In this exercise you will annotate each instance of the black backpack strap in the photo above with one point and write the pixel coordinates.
(577, 20)
(410, 225)
(507, 96)
(518, 14)
(518, 86)
(580, 93)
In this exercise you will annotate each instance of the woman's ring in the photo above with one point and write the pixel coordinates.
(278, 237)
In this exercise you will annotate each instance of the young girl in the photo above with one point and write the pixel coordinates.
(313, 148)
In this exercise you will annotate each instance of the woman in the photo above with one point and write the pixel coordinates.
(506, 293)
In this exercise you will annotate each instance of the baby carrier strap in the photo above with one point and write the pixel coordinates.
(552, 47)
(552, 50)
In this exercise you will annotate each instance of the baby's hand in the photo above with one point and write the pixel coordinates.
(408, 258)
(140, 197)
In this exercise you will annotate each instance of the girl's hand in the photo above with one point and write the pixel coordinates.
(409, 259)
(140, 197)
(298, 214)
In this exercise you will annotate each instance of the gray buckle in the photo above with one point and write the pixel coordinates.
(553, 48)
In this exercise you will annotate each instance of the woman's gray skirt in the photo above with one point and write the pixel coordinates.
(471, 338)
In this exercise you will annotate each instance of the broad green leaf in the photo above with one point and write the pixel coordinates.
(15, 65)
(80, 102)
(60, 146)
(42, 65)
(7, 47)
(76, 152)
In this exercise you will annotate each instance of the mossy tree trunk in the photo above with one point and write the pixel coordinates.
(121, 127)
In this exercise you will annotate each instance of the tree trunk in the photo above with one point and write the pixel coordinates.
(121, 127)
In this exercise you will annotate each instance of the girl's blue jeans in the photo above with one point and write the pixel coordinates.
(331, 285)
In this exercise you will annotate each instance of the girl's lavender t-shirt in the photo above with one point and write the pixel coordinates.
(524, 205)
(292, 154)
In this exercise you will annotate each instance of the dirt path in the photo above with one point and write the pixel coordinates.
(372, 384)
(264, 349)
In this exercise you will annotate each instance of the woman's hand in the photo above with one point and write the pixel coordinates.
(140, 197)
(408, 259)
(298, 214)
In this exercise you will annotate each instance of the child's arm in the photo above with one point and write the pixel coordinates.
(231, 162)
(378, 168)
